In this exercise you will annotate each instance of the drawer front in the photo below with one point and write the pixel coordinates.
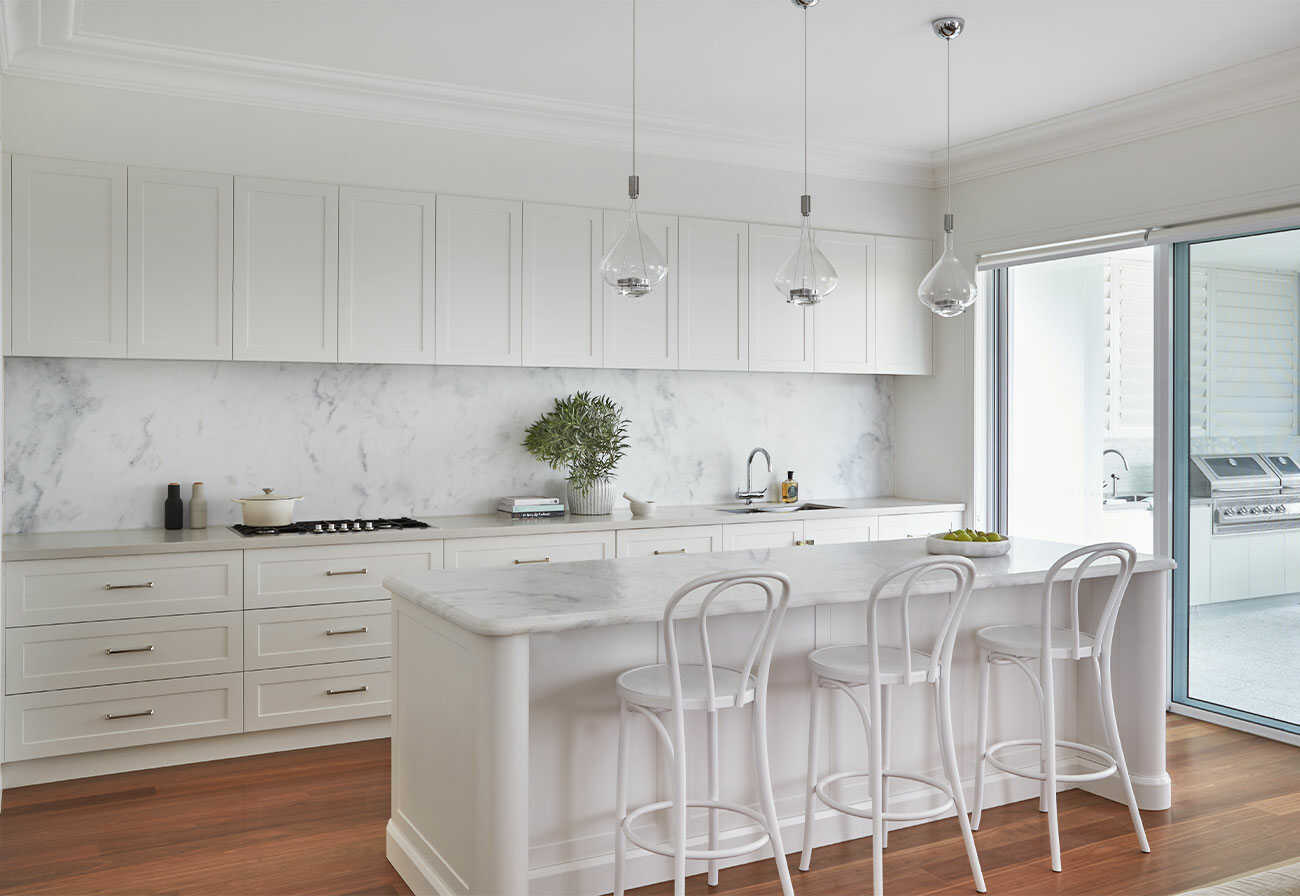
(839, 531)
(84, 654)
(524, 550)
(916, 525)
(122, 715)
(669, 540)
(295, 577)
(306, 695)
(39, 592)
(750, 536)
(296, 636)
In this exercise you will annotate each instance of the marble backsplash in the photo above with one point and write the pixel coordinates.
(91, 444)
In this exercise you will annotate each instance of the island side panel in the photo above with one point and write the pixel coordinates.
(460, 758)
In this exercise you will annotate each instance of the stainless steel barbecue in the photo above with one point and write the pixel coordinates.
(1249, 492)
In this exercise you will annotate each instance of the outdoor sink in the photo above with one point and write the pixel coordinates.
(776, 508)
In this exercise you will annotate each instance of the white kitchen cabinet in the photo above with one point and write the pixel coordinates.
(668, 541)
(752, 536)
(844, 325)
(479, 296)
(904, 327)
(299, 636)
(780, 334)
(6, 254)
(69, 258)
(326, 574)
(386, 265)
(642, 332)
(916, 525)
(840, 530)
(1230, 568)
(563, 305)
(286, 270)
(1199, 529)
(180, 264)
(1291, 561)
(1267, 562)
(527, 550)
(310, 695)
(713, 294)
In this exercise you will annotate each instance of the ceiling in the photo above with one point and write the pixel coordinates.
(718, 79)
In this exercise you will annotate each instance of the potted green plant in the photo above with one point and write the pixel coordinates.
(585, 435)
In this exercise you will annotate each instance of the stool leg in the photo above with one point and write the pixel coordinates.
(874, 748)
(714, 794)
(982, 743)
(1107, 695)
(620, 801)
(886, 730)
(943, 710)
(764, 770)
(679, 804)
(814, 747)
(1049, 759)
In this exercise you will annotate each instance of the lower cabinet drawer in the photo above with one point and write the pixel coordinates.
(295, 636)
(524, 550)
(306, 695)
(669, 540)
(84, 654)
(122, 715)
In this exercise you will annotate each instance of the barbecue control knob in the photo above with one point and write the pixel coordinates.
(1227, 511)
(1254, 510)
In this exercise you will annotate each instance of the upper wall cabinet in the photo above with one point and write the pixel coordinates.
(780, 334)
(904, 327)
(286, 270)
(844, 322)
(179, 264)
(479, 281)
(69, 258)
(642, 332)
(562, 302)
(386, 265)
(6, 254)
(713, 294)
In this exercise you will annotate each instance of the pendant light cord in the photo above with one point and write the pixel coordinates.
(633, 88)
(948, 138)
(805, 100)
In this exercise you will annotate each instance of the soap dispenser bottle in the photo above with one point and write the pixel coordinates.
(789, 488)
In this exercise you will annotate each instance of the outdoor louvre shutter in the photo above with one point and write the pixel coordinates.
(1129, 298)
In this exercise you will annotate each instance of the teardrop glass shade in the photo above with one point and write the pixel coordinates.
(948, 289)
(808, 276)
(634, 265)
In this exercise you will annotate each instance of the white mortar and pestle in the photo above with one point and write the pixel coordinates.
(640, 509)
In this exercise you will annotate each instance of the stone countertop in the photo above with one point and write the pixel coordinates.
(121, 542)
(501, 602)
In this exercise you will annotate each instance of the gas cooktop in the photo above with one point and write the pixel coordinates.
(332, 527)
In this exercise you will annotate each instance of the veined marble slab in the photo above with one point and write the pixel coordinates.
(500, 602)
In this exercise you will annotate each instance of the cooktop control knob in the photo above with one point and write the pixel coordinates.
(318, 528)
(369, 527)
(330, 527)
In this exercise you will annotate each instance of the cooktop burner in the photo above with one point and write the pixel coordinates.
(332, 527)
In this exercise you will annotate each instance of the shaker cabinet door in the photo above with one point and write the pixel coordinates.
(479, 299)
(562, 301)
(642, 332)
(780, 334)
(904, 327)
(713, 294)
(844, 323)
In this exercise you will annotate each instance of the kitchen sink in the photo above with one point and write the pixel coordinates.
(776, 508)
(1126, 499)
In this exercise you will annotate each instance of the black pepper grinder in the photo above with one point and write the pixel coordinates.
(173, 507)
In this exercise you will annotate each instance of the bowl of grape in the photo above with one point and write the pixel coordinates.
(969, 543)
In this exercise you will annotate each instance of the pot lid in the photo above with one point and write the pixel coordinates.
(270, 495)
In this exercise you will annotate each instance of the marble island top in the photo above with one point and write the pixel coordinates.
(500, 602)
(119, 542)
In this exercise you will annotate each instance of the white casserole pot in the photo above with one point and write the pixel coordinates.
(268, 508)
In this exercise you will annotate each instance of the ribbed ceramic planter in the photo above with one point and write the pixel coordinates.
(596, 501)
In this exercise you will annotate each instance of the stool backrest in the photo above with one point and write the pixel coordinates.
(776, 587)
(963, 572)
(1125, 554)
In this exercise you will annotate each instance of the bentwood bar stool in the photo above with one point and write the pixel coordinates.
(879, 668)
(1027, 646)
(677, 688)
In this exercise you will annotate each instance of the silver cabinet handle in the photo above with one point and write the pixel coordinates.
(805, 541)
(334, 691)
(122, 587)
(128, 715)
(524, 562)
(678, 551)
(347, 631)
(347, 572)
(112, 651)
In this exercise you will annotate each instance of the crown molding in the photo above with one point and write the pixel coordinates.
(1215, 96)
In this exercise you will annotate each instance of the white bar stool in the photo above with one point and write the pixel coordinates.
(678, 688)
(878, 668)
(1018, 645)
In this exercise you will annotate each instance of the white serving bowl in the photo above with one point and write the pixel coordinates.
(936, 544)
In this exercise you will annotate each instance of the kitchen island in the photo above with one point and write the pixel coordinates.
(505, 716)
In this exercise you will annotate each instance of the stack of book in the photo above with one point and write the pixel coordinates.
(527, 507)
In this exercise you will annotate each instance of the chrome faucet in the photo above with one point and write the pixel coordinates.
(1114, 477)
(748, 494)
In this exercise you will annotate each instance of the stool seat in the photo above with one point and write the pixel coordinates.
(851, 663)
(1027, 641)
(651, 687)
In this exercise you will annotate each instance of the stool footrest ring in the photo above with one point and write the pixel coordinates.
(729, 852)
(859, 812)
(1095, 753)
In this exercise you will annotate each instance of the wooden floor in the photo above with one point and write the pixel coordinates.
(312, 822)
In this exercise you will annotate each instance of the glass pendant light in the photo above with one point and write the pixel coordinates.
(948, 289)
(634, 265)
(807, 276)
